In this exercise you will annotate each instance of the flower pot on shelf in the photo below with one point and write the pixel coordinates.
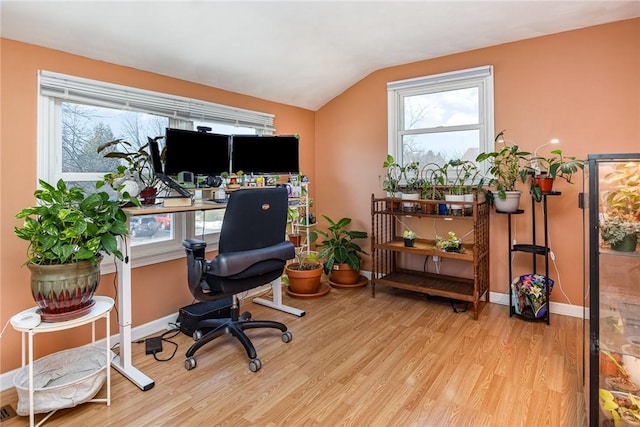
(509, 204)
(545, 183)
(409, 242)
(627, 244)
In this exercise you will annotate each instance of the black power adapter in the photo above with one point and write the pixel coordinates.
(153, 345)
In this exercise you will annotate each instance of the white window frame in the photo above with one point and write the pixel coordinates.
(480, 77)
(54, 88)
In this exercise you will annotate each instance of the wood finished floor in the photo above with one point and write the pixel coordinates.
(393, 360)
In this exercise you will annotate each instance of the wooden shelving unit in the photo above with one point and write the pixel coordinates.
(386, 245)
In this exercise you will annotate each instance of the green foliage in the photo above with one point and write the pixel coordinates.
(137, 162)
(391, 181)
(68, 226)
(506, 166)
(338, 245)
(555, 166)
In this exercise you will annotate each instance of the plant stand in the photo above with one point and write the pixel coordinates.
(101, 309)
(534, 249)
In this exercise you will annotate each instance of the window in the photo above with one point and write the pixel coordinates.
(76, 115)
(442, 117)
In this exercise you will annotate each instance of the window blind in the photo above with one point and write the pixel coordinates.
(77, 89)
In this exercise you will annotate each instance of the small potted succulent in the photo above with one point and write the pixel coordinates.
(452, 244)
(409, 238)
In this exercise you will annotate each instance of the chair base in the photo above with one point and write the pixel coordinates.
(236, 325)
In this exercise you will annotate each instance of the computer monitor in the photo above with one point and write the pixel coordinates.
(201, 153)
(156, 161)
(265, 154)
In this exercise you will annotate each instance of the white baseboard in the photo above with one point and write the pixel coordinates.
(159, 325)
(556, 307)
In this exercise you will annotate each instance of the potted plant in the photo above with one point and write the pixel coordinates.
(409, 238)
(341, 253)
(506, 167)
(621, 219)
(463, 174)
(391, 181)
(304, 276)
(451, 244)
(410, 185)
(621, 232)
(68, 231)
(547, 169)
(137, 169)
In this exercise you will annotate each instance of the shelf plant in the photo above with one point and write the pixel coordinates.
(549, 168)
(137, 167)
(450, 244)
(506, 167)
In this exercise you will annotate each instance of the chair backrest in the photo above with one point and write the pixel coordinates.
(255, 218)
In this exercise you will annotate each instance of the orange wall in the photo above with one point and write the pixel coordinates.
(158, 290)
(582, 87)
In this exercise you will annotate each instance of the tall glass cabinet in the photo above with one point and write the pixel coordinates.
(611, 356)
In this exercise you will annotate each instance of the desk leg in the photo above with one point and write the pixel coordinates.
(276, 286)
(122, 363)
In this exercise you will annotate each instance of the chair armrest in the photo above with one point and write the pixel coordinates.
(232, 263)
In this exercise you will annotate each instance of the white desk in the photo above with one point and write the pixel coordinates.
(122, 363)
(101, 309)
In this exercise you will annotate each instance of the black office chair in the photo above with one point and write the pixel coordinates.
(252, 252)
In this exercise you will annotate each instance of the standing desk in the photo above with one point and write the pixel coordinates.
(123, 363)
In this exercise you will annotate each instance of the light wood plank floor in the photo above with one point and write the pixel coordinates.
(393, 360)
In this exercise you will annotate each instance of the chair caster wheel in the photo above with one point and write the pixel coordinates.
(190, 363)
(197, 334)
(245, 316)
(287, 336)
(255, 365)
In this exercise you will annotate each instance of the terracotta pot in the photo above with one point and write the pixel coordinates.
(296, 239)
(344, 275)
(65, 291)
(545, 183)
(303, 281)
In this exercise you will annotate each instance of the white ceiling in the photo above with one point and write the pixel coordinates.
(301, 53)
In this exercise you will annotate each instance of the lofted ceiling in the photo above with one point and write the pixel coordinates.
(301, 53)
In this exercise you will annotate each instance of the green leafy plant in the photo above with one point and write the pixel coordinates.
(138, 163)
(464, 173)
(338, 245)
(505, 166)
(69, 226)
(615, 228)
(391, 181)
(624, 196)
(408, 234)
(555, 166)
(411, 181)
(451, 244)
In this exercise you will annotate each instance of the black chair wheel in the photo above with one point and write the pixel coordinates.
(287, 336)
(197, 334)
(190, 363)
(255, 365)
(245, 316)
